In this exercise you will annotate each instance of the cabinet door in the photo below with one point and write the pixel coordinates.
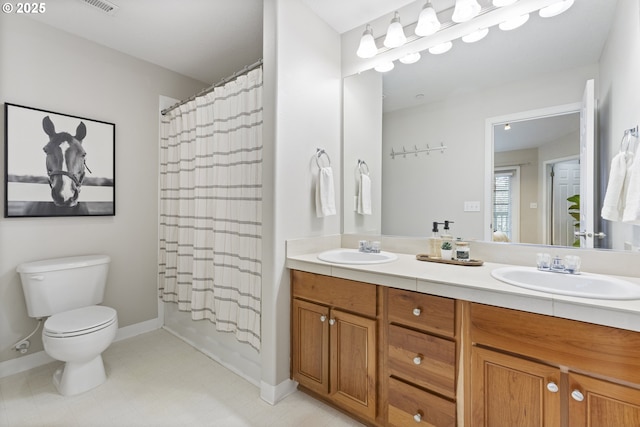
(353, 362)
(598, 403)
(310, 345)
(508, 391)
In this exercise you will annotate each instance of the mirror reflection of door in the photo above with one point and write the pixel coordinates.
(528, 147)
(563, 193)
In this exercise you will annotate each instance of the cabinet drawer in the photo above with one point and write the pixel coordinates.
(423, 359)
(408, 405)
(421, 311)
(610, 352)
(349, 295)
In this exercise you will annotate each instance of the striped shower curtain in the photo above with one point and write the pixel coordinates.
(211, 207)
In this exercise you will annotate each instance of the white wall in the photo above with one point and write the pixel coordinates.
(419, 190)
(46, 68)
(302, 113)
(619, 106)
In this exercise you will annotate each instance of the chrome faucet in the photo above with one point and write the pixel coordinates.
(369, 247)
(569, 265)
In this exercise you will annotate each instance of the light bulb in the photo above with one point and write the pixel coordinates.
(465, 10)
(502, 3)
(441, 48)
(410, 58)
(475, 36)
(367, 48)
(513, 23)
(555, 8)
(395, 33)
(384, 67)
(428, 22)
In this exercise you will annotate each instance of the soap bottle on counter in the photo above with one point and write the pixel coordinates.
(446, 235)
(435, 242)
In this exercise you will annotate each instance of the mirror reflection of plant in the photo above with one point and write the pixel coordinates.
(574, 211)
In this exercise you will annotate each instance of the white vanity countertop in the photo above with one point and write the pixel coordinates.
(477, 285)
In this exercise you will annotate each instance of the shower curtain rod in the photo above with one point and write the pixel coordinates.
(224, 81)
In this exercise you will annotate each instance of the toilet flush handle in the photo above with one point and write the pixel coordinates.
(39, 278)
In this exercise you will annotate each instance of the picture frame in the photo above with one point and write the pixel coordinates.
(57, 164)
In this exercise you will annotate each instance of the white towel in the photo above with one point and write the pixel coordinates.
(614, 199)
(632, 199)
(364, 195)
(325, 194)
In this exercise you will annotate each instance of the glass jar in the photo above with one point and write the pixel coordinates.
(462, 251)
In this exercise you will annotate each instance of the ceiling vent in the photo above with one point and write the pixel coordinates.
(103, 5)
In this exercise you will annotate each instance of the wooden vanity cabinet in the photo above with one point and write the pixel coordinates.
(421, 359)
(535, 370)
(334, 340)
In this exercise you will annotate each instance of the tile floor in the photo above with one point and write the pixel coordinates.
(156, 380)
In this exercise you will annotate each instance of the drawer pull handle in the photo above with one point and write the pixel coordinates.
(417, 312)
(417, 360)
(577, 395)
(417, 417)
(332, 322)
(323, 318)
(552, 387)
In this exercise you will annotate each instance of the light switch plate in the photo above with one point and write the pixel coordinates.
(473, 206)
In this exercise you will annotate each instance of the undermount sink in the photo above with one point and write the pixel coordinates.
(353, 256)
(584, 285)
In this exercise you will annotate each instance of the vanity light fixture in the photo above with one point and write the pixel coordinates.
(513, 23)
(428, 22)
(440, 48)
(395, 33)
(410, 58)
(465, 10)
(475, 36)
(367, 47)
(556, 8)
(507, 127)
(384, 67)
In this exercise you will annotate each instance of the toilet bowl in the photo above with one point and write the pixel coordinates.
(78, 337)
(67, 291)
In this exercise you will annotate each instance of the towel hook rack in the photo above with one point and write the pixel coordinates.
(362, 163)
(319, 153)
(417, 150)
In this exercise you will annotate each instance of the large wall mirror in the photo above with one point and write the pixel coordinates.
(433, 133)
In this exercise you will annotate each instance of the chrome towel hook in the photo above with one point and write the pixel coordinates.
(319, 153)
(362, 163)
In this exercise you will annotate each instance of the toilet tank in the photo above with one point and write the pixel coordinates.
(55, 285)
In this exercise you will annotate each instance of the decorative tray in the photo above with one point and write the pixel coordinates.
(470, 263)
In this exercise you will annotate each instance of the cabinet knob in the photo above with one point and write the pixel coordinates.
(576, 395)
(417, 360)
(323, 318)
(552, 387)
(332, 322)
(417, 417)
(417, 311)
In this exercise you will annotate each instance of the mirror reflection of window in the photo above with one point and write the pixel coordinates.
(506, 202)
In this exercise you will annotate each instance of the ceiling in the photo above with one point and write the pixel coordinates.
(192, 37)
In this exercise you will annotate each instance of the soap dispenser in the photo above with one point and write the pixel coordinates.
(435, 242)
(446, 235)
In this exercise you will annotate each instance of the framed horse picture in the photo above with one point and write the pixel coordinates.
(57, 164)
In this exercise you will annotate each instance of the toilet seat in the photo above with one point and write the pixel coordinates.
(80, 321)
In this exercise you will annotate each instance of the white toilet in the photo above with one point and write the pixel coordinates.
(77, 331)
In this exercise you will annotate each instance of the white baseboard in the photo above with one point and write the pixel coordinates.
(274, 394)
(24, 363)
(30, 361)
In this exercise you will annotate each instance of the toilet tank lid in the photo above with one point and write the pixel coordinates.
(65, 263)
